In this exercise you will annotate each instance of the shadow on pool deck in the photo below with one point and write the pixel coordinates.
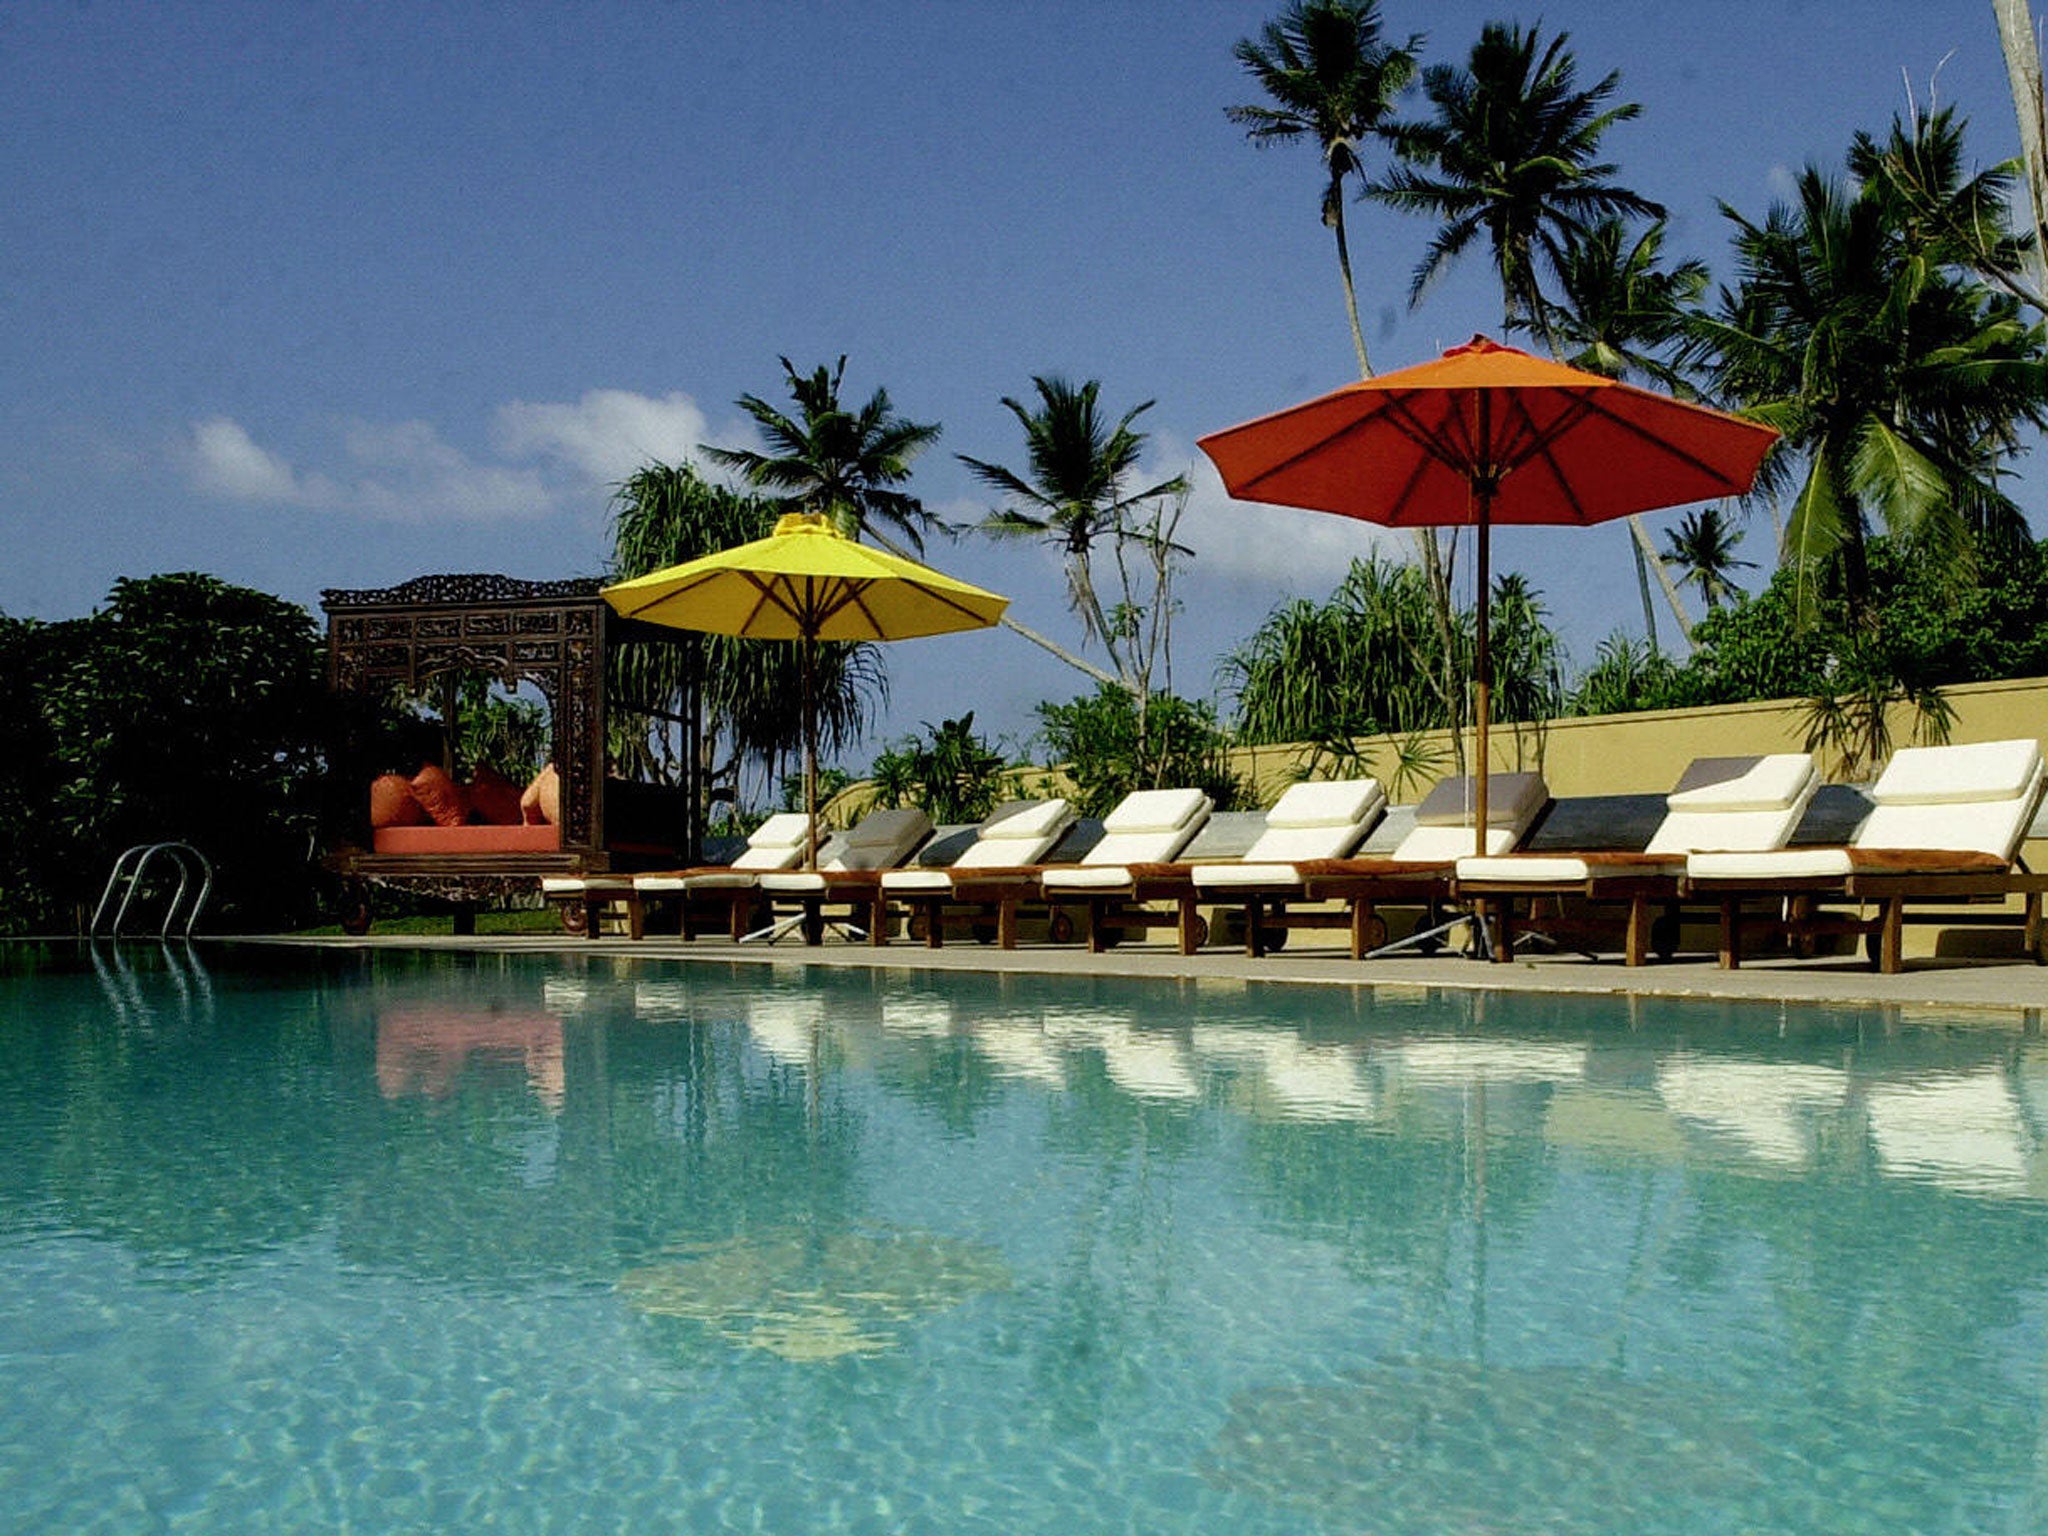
(2012, 988)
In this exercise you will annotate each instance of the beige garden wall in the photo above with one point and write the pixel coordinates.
(1645, 753)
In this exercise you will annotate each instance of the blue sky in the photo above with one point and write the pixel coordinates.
(313, 296)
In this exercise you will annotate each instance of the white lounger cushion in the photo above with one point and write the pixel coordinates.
(879, 840)
(1310, 821)
(1018, 832)
(1928, 797)
(1443, 822)
(1149, 826)
(1547, 869)
(776, 844)
(1984, 770)
(1730, 784)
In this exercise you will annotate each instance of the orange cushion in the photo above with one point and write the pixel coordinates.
(474, 839)
(493, 798)
(542, 802)
(393, 804)
(443, 798)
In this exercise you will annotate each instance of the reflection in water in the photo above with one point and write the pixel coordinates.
(424, 1051)
(814, 1297)
(628, 1245)
(1768, 1111)
(1963, 1131)
(1447, 1445)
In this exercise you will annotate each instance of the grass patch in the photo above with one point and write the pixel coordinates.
(487, 923)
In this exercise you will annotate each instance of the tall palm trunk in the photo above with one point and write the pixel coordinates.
(1645, 549)
(1079, 663)
(2022, 49)
(1334, 206)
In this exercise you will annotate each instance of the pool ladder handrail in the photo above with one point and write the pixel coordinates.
(126, 877)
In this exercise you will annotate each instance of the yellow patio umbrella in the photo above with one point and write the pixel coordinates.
(807, 582)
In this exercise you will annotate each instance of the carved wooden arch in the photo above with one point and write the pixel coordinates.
(552, 634)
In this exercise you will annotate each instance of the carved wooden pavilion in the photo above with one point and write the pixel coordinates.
(423, 635)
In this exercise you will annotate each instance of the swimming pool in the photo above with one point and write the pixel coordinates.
(533, 1244)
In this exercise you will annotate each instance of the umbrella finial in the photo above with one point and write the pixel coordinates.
(803, 522)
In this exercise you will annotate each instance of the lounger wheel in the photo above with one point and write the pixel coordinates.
(1060, 928)
(574, 919)
(1873, 947)
(917, 927)
(355, 918)
(984, 933)
(1198, 933)
(1274, 939)
(1664, 936)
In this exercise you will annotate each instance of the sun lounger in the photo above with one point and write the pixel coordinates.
(1147, 827)
(1017, 834)
(848, 877)
(1945, 826)
(778, 843)
(1722, 803)
(1419, 869)
(1309, 822)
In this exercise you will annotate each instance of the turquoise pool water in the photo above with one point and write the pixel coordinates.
(462, 1243)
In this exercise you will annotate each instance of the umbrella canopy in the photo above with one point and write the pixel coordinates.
(807, 582)
(1488, 434)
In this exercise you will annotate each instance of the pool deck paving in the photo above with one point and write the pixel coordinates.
(2014, 991)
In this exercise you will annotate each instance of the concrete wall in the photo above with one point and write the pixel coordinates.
(1645, 753)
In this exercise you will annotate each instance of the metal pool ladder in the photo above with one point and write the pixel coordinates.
(126, 878)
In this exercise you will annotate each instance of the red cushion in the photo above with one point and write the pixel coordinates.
(473, 839)
(542, 801)
(393, 804)
(493, 798)
(443, 798)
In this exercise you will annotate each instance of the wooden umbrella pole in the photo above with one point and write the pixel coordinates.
(1482, 668)
(810, 760)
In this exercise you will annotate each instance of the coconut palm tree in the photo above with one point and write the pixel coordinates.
(1618, 311)
(685, 697)
(1332, 80)
(1898, 379)
(847, 464)
(1073, 490)
(1702, 547)
(1510, 154)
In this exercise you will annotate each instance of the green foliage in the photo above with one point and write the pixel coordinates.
(1917, 632)
(1861, 327)
(1626, 675)
(830, 782)
(955, 775)
(1367, 661)
(750, 691)
(848, 464)
(186, 710)
(1111, 745)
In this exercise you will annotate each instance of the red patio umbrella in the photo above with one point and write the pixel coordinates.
(1488, 434)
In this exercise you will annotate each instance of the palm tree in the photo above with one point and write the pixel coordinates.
(1072, 490)
(1898, 379)
(716, 689)
(1703, 548)
(1618, 311)
(1333, 81)
(1510, 154)
(844, 463)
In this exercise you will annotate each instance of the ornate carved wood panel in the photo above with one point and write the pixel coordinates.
(549, 633)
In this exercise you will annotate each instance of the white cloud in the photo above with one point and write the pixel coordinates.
(226, 460)
(546, 458)
(390, 472)
(1305, 552)
(606, 435)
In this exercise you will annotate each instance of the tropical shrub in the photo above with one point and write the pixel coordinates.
(1111, 746)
